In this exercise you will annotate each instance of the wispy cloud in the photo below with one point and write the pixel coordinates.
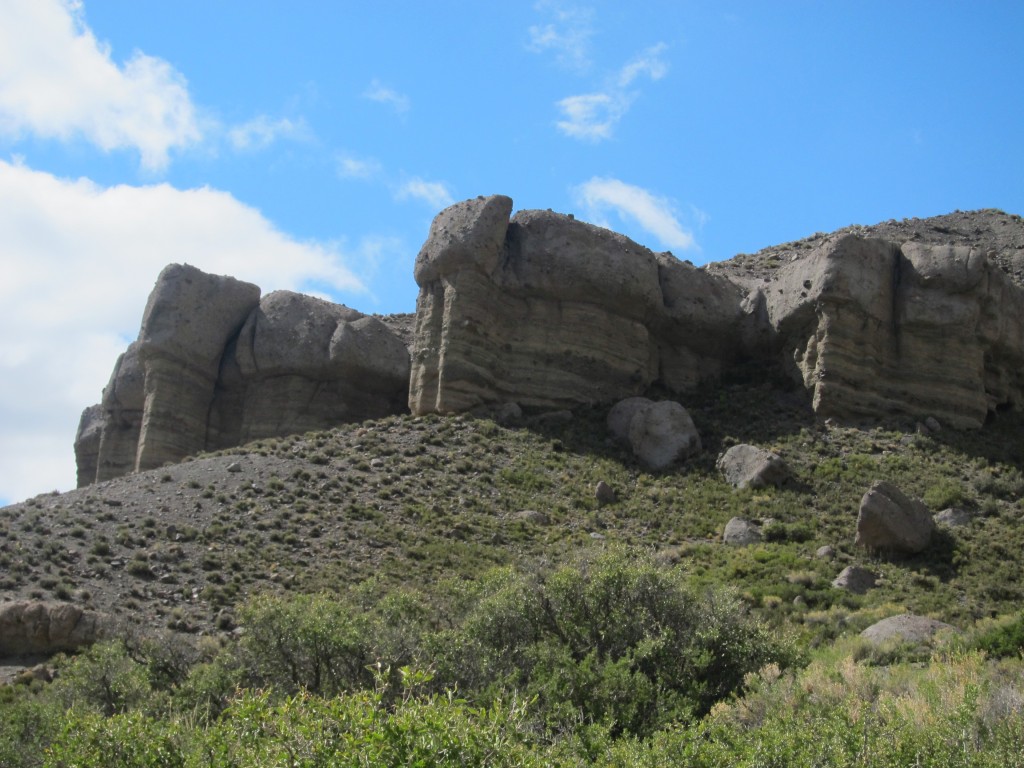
(567, 34)
(262, 131)
(649, 62)
(58, 82)
(593, 116)
(79, 260)
(352, 167)
(382, 94)
(655, 215)
(434, 193)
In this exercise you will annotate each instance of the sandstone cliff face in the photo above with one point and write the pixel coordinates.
(551, 312)
(214, 366)
(913, 319)
(873, 329)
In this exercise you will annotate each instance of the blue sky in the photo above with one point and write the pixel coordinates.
(308, 145)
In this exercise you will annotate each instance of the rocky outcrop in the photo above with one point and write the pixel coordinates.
(301, 364)
(874, 328)
(891, 521)
(189, 320)
(214, 366)
(31, 627)
(920, 321)
(551, 312)
(87, 443)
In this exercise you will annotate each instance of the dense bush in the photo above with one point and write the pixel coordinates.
(306, 642)
(612, 639)
(1004, 640)
(304, 732)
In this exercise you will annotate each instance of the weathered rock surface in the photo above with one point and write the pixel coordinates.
(552, 312)
(122, 408)
(663, 435)
(953, 517)
(855, 579)
(214, 366)
(905, 628)
(301, 364)
(747, 466)
(621, 416)
(889, 520)
(189, 320)
(31, 627)
(878, 328)
(739, 531)
(87, 443)
(921, 320)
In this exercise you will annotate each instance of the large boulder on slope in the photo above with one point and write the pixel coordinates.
(747, 466)
(663, 435)
(891, 521)
(906, 628)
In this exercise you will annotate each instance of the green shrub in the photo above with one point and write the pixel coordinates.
(1004, 641)
(611, 639)
(943, 494)
(104, 679)
(311, 642)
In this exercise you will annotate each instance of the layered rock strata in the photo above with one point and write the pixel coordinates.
(215, 366)
(551, 312)
(872, 328)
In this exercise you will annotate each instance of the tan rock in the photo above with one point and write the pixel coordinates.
(889, 520)
(31, 627)
(875, 329)
(747, 466)
(565, 314)
(663, 435)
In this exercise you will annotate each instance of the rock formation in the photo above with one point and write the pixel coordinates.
(921, 321)
(740, 531)
(32, 627)
(883, 327)
(551, 312)
(854, 578)
(214, 366)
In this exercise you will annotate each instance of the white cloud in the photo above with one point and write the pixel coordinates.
(382, 94)
(434, 193)
(655, 215)
(567, 35)
(648, 63)
(261, 132)
(78, 262)
(58, 82)
(593, 116)
(352, 167)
